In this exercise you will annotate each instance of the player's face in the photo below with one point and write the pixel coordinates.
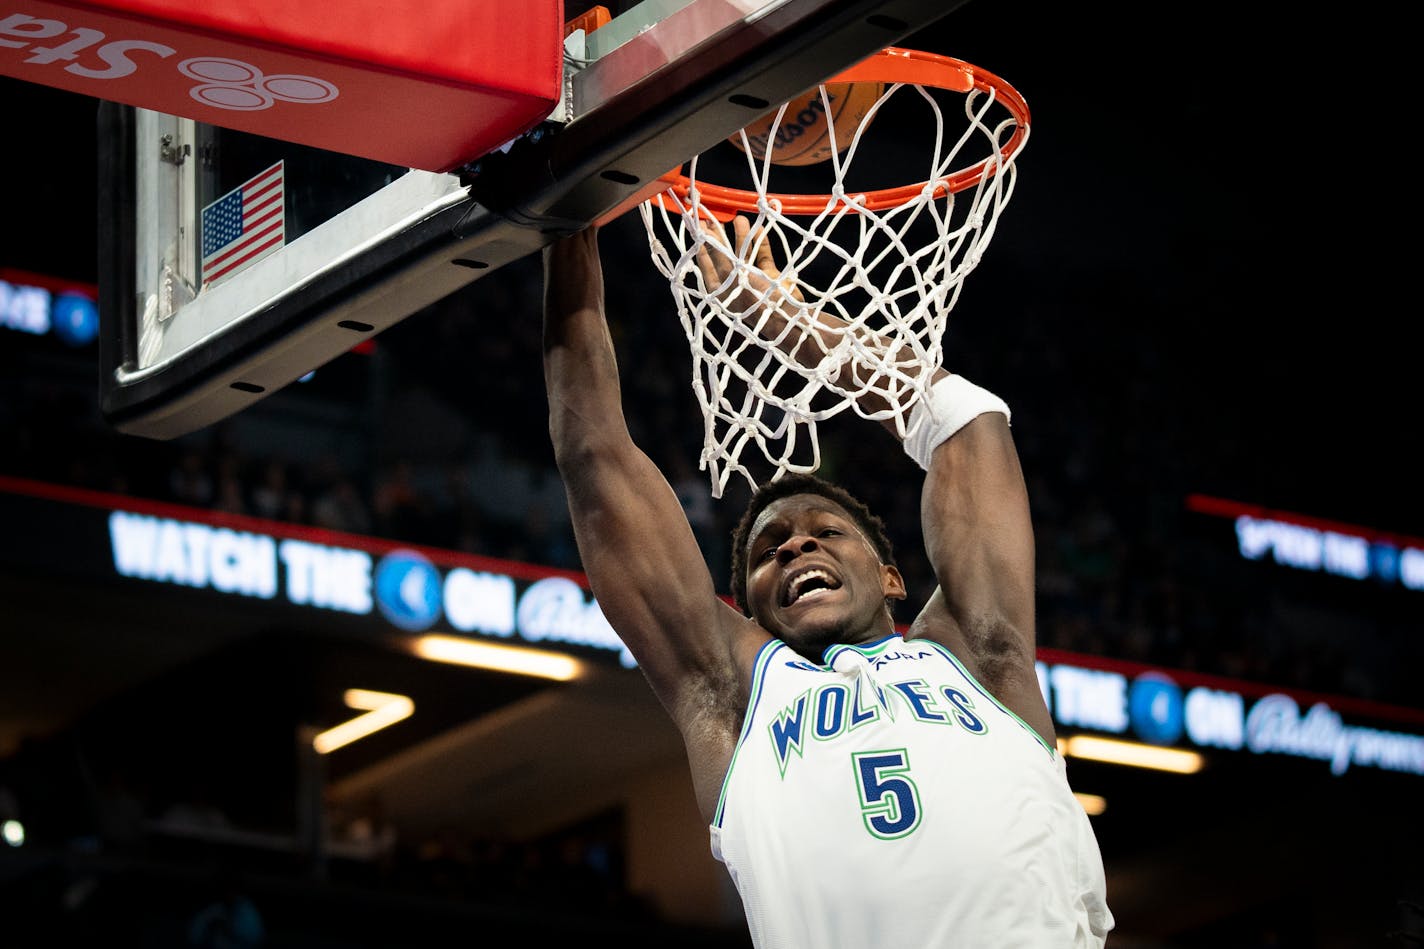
(814, 579)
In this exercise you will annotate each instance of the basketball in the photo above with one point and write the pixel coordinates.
(804, 136)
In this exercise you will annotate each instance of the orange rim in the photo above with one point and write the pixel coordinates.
(890, 65)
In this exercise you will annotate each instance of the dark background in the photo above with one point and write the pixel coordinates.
(1221, 191)
(1203, 284)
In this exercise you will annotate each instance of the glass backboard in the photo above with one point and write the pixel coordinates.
(236, 264)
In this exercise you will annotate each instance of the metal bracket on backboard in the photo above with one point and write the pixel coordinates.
(575, 61)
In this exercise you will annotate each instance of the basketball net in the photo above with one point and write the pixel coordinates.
(857, 318)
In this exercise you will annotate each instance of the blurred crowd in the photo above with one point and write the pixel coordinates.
(111, 860)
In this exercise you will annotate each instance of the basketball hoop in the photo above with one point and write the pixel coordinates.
(864, 318)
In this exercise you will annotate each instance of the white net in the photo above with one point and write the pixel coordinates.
(856, 317)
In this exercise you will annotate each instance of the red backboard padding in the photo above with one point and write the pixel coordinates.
(429, 85)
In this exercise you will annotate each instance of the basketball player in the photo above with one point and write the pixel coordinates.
(863, 789)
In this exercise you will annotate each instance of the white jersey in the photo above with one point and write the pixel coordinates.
(886, 799)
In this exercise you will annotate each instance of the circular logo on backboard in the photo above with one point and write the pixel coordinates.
(408, 590)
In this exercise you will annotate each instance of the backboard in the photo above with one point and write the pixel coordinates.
(234, 264)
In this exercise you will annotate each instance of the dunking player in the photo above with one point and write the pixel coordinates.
(862, 789)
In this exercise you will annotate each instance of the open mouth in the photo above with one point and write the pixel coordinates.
(809, 585)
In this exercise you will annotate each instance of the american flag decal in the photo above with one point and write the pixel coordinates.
(244, 225)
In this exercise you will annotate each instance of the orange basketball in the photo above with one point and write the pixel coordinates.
(803, 138)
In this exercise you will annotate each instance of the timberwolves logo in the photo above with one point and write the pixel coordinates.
(1155, 708)
(408, 590)
(1384, 562)
(75, 319)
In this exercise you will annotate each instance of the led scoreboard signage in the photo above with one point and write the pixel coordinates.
(40, 305)
(1316, 545)
(401, 585)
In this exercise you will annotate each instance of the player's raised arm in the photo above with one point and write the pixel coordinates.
(637, 547)
(978, 535)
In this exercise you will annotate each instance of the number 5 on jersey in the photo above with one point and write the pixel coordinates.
(889, 800)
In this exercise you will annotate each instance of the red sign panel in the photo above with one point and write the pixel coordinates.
(429, 86)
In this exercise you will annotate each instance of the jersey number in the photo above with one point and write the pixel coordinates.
(889, 800)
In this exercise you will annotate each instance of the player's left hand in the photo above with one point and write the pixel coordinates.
(718, 264)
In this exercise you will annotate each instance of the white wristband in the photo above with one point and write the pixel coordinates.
(951, 404)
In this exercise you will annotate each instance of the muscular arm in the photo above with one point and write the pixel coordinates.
(637, 548)
(979, 537)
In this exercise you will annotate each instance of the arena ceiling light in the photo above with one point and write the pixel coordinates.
(516, 659)
(1131, 753)
(382, 709)
(1093, 804)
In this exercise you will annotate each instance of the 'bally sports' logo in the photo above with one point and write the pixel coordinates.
(223, 83)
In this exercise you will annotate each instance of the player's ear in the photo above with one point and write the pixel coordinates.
(891, 583)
